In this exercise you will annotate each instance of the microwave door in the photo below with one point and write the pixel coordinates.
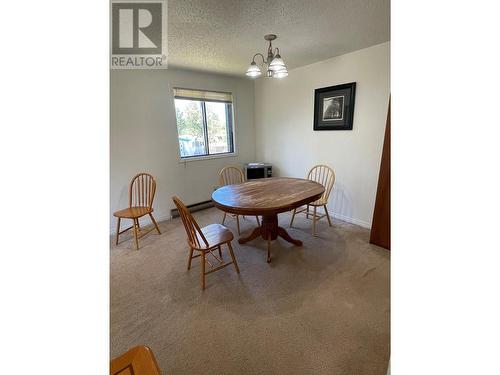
(253, 173)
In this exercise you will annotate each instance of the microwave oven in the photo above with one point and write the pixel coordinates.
(258, 170)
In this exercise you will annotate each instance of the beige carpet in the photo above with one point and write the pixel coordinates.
(318, 309)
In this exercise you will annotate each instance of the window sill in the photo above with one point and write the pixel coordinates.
(207, 157)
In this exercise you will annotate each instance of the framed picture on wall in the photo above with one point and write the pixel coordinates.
(334, 107)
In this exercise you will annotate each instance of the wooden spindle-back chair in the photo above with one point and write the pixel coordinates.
(324, 175)
(231, 176)
(205, 240)
(142, 191)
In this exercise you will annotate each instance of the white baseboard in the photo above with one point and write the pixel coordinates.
(351, 220)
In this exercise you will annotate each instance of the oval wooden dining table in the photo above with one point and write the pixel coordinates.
(267, 197)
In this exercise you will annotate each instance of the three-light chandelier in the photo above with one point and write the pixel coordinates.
(274, 65)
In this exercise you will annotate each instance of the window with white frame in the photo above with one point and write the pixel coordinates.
(204, 122)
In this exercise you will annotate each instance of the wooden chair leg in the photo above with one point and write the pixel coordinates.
(118, 230)
(233, 257)
(268, 250)
(224, 218)
(238, 223)
(220, 252)
(258, 221)
(314, 221)
(202, 257)
(293, 217)
(190, 257)
(136, 224)
(327, 216)
(154, 222)
(307, 212)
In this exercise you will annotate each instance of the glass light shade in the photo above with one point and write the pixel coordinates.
(281, 73)
(253, 70)
(277, 63)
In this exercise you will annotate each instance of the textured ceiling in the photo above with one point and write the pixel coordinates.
(222, 36)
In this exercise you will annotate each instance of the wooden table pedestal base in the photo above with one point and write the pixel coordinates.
(269, 230)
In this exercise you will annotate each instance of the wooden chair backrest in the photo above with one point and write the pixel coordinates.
(191, 226)
(231, 176)
(323, 175)
(142, 190)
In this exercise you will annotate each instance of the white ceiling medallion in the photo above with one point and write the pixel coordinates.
(274, 65)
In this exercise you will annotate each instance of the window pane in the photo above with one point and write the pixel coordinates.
(190, 127)
(219, 125)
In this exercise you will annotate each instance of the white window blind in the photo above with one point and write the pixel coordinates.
(212, 96)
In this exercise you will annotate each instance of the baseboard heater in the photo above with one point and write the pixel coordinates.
(192, 208)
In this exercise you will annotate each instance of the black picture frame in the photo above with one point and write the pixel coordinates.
(334, 107)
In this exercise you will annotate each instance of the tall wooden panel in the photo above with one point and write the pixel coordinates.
(381, 224)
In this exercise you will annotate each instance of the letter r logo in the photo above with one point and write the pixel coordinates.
(136, 28)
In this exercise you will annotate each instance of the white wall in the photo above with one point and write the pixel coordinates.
(285, 136)
(144, 136)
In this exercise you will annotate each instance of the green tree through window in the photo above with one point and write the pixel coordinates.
(204, 127)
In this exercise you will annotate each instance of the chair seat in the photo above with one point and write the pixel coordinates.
(216, 234)
(133, 212)
(319, 202)
(139, 361)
